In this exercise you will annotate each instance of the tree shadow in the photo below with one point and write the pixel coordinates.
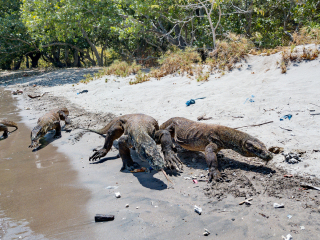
(54, 78)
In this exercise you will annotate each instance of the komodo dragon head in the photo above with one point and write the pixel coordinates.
(148, 151)
(255, 148)
(36, 134)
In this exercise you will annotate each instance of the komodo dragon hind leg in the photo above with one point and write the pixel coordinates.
(212, 161)
(124, 151)
(5, 130)
(163, 137)
(114, 132)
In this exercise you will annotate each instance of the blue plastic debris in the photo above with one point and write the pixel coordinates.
(289, 116)
(193, 101)
(250, 99)
(83, 91)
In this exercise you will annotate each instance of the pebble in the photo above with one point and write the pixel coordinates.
(118, 195)
(277, 205)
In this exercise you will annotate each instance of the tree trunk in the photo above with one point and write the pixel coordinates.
(17, 64)
(93, 47)
(34, 59)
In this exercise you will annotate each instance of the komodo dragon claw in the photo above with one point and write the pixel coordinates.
(172, 161)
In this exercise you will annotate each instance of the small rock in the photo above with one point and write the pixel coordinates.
(289, 216)
(288, 237)
(127, 205)
(302, 228)
(137, 207)
(187, 178)
(118, 195)
(277, 205)
(206, 232)
(198, 209)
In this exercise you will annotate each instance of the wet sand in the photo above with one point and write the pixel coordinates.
(41, 196)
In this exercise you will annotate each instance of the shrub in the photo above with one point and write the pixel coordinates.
(122, 69)
(181, 61)
(140, 78)
(228, 52)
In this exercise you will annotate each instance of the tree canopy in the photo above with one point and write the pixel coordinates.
(77, 32)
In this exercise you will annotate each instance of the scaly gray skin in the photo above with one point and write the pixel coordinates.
(48, 122)
(210, 138)
(4, 124)
(141, 132)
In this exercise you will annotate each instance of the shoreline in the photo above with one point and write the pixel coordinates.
(168, 213)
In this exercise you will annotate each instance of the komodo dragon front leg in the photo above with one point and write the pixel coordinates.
(114, 132)
(124, 151)
(211, 151)
(163, 137)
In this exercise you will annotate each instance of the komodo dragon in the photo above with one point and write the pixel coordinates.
(141, 132)
(4, 124)
(211, 139)
(47, 122)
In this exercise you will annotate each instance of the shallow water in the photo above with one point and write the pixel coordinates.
(40, 195)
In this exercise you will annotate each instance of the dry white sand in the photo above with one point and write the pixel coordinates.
(226, 100)
(168, 213)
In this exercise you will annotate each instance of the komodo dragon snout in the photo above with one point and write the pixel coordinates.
(148, 151)
(256, 148)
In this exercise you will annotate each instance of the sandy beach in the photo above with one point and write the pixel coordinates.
(255, 92)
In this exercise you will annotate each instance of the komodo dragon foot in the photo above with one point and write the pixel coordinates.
(98, 154)
(172, 161)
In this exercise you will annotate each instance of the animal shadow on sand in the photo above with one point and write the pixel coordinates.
(146, 179)
(47, 139)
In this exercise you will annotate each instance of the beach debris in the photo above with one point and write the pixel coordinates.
(197, 209)
(37, 96)
(288, 237)
(302, 228)
(277, 205)
(83, 91)
(203, 117)
(289, 116)
(17, 92)
(187, 178)
(310, 186)
(206, 232)
(127, 205)
(118, 195)
(195, 181)
(112, 187)
(288, 176)
(263, 215)
(276, 150)
(254, 125)
(164, 173)
(143, 169)
(287, 129)
(103, 218)
(289, 216)
(292, 157)
(27, 108)
(246, 201)
(192, 101)
(250, 99)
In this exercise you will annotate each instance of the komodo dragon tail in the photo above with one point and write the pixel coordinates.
(9, 124)
(94, 131)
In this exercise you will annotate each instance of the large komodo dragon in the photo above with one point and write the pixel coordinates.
(48, 122)
(211, 139)
(4, 124)
(141, 132)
